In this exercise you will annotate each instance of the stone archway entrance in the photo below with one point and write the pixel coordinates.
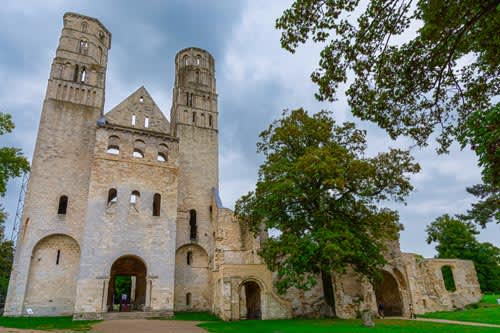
(387, 293)
(250, 304)
(127, 285)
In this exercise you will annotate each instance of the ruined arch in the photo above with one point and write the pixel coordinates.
(192, 278)
(127, 277)
(250, 292)
(388, 293)
(54, 268)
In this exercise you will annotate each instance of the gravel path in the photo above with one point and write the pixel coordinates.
(147, 326)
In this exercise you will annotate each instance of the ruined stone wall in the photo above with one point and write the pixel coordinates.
(192, 278)
(116, 229)
(52, 277)
(64, 147)
(428, 291)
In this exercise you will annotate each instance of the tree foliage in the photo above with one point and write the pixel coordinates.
(483, 134)
(418, 66)
(322, 194)
(456, 238)
(12, 164)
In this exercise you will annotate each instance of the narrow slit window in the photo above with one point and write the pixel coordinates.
(146, 122)
(192, 225)
(189, 258)
(76, 74)
(58, 257)
(188, 299)
(133, 119)
(63, 205)
(112, 196)
(194, 117)
(83, 76)
(210, 120)
(156, 204)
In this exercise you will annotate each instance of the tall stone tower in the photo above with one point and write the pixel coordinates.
(194, 121)
(47, 256)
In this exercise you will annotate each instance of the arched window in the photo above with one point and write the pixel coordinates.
(197, 76)
(156, 204)
(112, 196)
(192, 224)
(138, 153)
(449, 281)
(198, 60)
(188, 299)
(84, 26)
(76, 73)
(84, 46)
(185, 60)
(83, 75)
(189, 258)
(113, 145)
(63, 205)
(134, 197)
(161, 157)
(162, 153)
(139, 147)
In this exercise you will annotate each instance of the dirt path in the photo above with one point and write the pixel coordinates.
(147, 326)
(445, 321)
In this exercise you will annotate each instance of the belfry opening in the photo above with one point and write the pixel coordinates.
(127, 285)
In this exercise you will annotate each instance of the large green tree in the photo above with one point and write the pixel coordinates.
(12, 164)
(417, 68)
(456, 238)
(322, 196)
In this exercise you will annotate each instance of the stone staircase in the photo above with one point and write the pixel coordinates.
(135, 315)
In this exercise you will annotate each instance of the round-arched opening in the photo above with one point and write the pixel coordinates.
(388, 296)
(250, 304)
(127, 285)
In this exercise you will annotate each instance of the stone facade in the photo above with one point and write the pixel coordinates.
(128, 193)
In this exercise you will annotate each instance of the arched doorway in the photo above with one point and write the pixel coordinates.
(250, 305)
(127, 285)
(387, 293)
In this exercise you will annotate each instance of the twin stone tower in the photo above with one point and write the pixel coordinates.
(129, 196)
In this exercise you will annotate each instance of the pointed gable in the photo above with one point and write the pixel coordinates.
(139, 111)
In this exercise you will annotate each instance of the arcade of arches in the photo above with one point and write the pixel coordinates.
(127, 285)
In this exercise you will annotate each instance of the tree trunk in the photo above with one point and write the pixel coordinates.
(328, 293)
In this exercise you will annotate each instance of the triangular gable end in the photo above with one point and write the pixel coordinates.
(139, 110)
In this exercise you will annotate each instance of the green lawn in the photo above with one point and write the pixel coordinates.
(46, 323)
(338, 326)
(487, 311)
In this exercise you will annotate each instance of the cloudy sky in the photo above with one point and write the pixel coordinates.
(256, 80)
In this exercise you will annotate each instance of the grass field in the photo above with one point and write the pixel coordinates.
(338, 326)
(46, 323)
(487, 311)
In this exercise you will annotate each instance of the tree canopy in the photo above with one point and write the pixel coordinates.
(456, 238)
(417, 66)
(323, 196)
(12, 164)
